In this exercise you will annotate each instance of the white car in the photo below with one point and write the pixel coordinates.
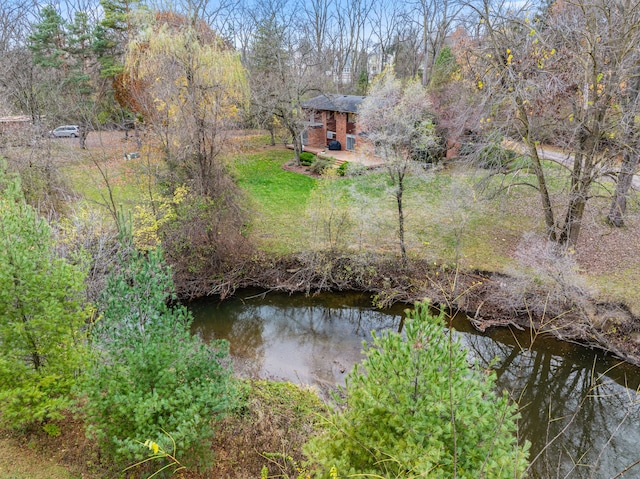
(66, 131)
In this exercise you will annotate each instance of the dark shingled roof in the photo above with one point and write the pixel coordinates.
(341, 103)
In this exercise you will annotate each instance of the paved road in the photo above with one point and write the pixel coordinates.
(566, 159)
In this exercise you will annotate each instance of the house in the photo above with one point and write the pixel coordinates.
(331, 118)
(16, 124)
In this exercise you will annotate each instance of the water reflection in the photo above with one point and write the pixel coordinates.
(579, 408)
(580, 403)
(304, 340)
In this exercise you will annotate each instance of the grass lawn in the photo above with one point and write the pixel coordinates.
(447, 220)
(278, 198)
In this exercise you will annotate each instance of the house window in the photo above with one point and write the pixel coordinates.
(331, 135)
(351, 117)
(351, 142)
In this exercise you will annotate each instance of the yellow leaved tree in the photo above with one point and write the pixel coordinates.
(189, 88)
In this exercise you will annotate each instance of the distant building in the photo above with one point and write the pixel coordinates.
(332, 118)
(14, 123)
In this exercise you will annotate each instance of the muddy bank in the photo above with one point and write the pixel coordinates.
(488, 299)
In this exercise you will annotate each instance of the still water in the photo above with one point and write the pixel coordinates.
(583, 405)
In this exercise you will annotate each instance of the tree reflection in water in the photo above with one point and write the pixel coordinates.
(579, 409)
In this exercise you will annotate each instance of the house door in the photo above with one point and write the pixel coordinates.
(351, 142)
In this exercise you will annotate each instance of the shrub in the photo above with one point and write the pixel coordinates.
(205, 239)
(415, 408)
(342, 169)
(489, 153)
(150, 378)
(321, 164)
(306, 158)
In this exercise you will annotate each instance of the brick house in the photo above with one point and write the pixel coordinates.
(331, 117)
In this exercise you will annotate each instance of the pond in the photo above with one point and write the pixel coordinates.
(580, 408)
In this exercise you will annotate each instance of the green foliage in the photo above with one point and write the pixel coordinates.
(306, 158)
(47, 40)
(415, 408)
(363, 82)
(111, 34)
(149, 374)
(445, 69)
(41, 315)
(342, 169)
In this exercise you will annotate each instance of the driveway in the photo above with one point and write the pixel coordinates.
(565, 159)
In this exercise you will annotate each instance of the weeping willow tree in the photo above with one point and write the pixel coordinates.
(189, 86)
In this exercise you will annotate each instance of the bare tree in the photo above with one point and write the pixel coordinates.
(563, 69)
(386, 17)
(281, 72)
(436, 19)
(351, 41)
(397, 121)
(316, 16)
(629, 137)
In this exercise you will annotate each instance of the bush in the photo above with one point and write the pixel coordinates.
(489, 153)
(150, 378)
(342, 169)
(415, 408)
(205, 239)
(306, 158)
(321, 164)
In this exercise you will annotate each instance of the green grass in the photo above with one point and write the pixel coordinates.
(129, 181)
(294, 212)
(278, 197)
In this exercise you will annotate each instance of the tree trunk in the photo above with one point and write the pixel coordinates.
(272, 133)
(296, 139)
(399, 195)
(83, 133)
(539, 172)
(623, 184)
(573, 222)
(580, 182)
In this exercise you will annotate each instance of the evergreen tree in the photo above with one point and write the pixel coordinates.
(111, 36)
(416, 408)
(41, 315)
(150, 377)
(48, 41)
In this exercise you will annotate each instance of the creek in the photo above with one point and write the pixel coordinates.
(580, 408)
